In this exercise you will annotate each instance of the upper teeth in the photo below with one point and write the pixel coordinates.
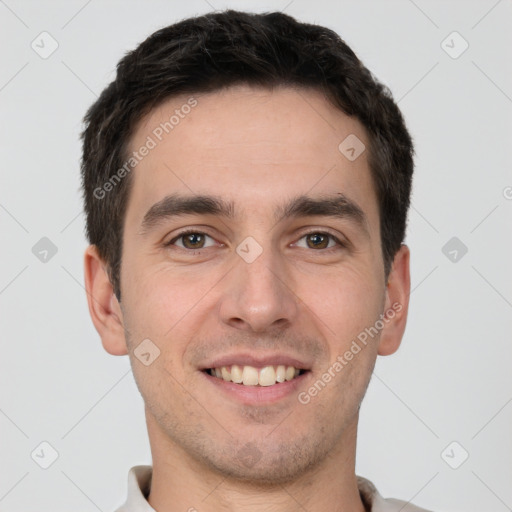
(251, 376)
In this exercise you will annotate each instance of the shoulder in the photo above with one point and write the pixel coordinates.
(374, 502)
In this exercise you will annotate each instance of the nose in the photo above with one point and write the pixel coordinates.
(259, 296)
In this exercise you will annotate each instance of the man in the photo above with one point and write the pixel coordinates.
(246, 185)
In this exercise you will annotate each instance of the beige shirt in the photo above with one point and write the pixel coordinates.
(139, 482)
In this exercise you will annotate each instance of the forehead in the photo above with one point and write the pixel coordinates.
(253, 146)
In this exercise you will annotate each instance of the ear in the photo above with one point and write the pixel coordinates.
(104, 307)
(396, 306)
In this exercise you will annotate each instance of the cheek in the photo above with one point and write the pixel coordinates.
(158, 297)
(156, 310)
(162, 303)
(348, 302)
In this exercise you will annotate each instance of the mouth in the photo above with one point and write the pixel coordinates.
(265, 376)
(256, 379)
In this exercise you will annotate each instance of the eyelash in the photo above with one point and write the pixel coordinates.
(341, 245)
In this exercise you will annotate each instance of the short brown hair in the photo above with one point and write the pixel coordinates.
(216, 50)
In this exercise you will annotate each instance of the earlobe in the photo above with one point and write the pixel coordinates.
(396, 304)
(104, 308)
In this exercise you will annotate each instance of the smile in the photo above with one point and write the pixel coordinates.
(253, 376)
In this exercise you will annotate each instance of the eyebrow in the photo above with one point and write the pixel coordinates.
(336, 206)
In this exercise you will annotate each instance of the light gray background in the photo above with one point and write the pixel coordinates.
(451, 379)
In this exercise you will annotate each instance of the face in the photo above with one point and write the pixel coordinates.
(252, 253)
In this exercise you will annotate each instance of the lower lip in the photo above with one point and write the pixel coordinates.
(258, 395)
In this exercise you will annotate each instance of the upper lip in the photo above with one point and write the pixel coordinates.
(256, 360)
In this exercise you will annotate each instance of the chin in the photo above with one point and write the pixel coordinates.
(266, 466)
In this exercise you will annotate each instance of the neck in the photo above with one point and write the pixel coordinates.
(181, 483)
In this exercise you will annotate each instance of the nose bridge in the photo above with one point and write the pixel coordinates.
(260, 292)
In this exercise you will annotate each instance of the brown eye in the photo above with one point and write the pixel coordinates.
(190, 240)
(193, 240)
(318, 240)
